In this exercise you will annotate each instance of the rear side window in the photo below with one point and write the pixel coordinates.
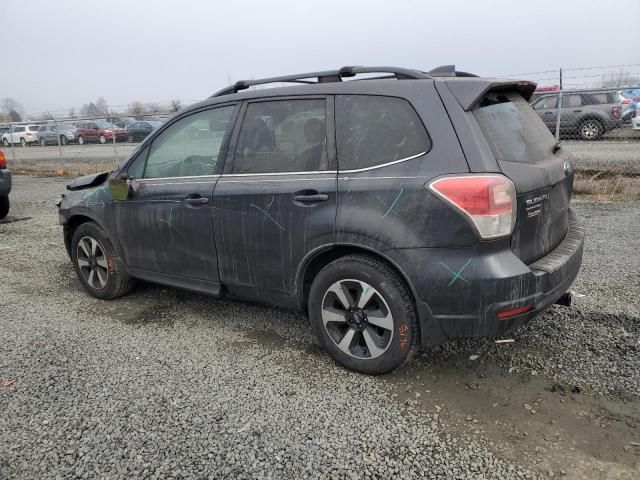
(283, 136)
(373, 130)
(18, 129)
(572, 101)
(514, 131)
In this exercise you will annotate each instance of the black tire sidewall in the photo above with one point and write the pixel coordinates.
(405, 332)
(4, 206)
(92, 230)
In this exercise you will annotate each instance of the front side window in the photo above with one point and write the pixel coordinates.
(374, 130)
(283, 136)
(190, 146)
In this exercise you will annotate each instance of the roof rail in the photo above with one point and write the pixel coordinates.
(323, 77)
(448, 71)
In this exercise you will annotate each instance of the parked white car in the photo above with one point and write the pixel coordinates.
(24, 135)
(635, 121)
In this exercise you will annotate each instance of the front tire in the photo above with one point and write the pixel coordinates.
(81, 140)
(43, 142)
(99, 269)
(363, 315)
(103, 139)
(23, 142)
(4, 206)
(63, 140)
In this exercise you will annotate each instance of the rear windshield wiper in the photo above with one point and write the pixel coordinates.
(556, 147)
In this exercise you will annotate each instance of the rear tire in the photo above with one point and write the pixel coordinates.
(378, 331)
(100, 271)
(81, 140)
(5, 142)
(23, 142)
(4, 206)
(43, 142)
(591, 129)
(63, 140)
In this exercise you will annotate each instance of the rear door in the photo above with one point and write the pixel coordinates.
(524, 150)
(276, 201)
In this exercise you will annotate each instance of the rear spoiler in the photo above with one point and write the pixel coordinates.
(469, 91)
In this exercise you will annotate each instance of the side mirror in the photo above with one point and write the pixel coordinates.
(119, 188)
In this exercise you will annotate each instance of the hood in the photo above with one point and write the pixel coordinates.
(88, 181)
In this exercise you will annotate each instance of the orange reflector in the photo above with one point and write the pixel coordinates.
(512, 312)
(3, 161)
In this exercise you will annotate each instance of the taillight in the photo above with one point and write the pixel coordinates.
(28, 134)
(3, 160)
(488, 201)
(615, 111)
(626, 102)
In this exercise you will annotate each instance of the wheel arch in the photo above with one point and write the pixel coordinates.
(72, 225)
(322, 256)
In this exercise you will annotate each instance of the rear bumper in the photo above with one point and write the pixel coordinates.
(466, 288)
(5, 182)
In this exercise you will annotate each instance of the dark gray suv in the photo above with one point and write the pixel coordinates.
(398, 211)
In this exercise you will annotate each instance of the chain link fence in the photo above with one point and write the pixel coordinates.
(593, 111)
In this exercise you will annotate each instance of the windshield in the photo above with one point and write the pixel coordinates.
(514, 131)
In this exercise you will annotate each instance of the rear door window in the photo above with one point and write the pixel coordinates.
(571, 101)
(546, 103)
(374, 130)
(514, 131)
(283, 136)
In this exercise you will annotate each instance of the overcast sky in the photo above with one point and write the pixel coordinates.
(66, 53)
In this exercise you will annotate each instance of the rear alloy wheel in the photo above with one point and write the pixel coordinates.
(5, 142)
(103, 139)
(363, 315)
(43, 142)
(591, 130)
(23, 142)
(81, 140)
(63, 140)
(4, 206)
(99, 269)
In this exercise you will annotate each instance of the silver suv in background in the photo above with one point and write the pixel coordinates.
(585, 114)
(49, 133)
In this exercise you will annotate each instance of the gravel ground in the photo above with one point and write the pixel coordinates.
(168, 384)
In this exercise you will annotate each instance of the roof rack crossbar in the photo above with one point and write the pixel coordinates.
(323, 77)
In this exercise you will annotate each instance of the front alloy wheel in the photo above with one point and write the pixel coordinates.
(92, 263)
(591, 130)
(357, 319)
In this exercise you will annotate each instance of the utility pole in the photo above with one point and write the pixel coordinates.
(559, 107)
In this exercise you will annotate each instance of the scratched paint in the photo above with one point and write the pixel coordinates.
(265, 211)
(171, 223)
(392, 206)
(457, 275)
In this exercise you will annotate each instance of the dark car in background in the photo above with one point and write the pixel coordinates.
(398, 211)
(122, 122)
(138, 131)
(51, 133)
(585, 114)
(101, 131)
(5, 186)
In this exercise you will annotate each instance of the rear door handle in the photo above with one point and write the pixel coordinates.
(195, 199)
(311, 198)
(577, 111)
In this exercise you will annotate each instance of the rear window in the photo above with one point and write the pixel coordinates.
(374, 130)
(514, 131)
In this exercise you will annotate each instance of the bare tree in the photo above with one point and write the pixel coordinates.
(136, 108)
(72, 113)
(10, 104)
(101, 105)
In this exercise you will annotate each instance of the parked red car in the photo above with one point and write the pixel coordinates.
(99, 131)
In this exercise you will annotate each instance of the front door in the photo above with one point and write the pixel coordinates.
(276, 201)
(165, 226)
(547, 108)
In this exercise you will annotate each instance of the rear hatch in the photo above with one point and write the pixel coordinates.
(524, 150)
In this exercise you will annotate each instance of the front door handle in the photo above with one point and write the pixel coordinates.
(194, 199)
(311, 198)
(577, 111)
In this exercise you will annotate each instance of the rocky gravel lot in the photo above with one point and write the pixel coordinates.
(168, 384)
